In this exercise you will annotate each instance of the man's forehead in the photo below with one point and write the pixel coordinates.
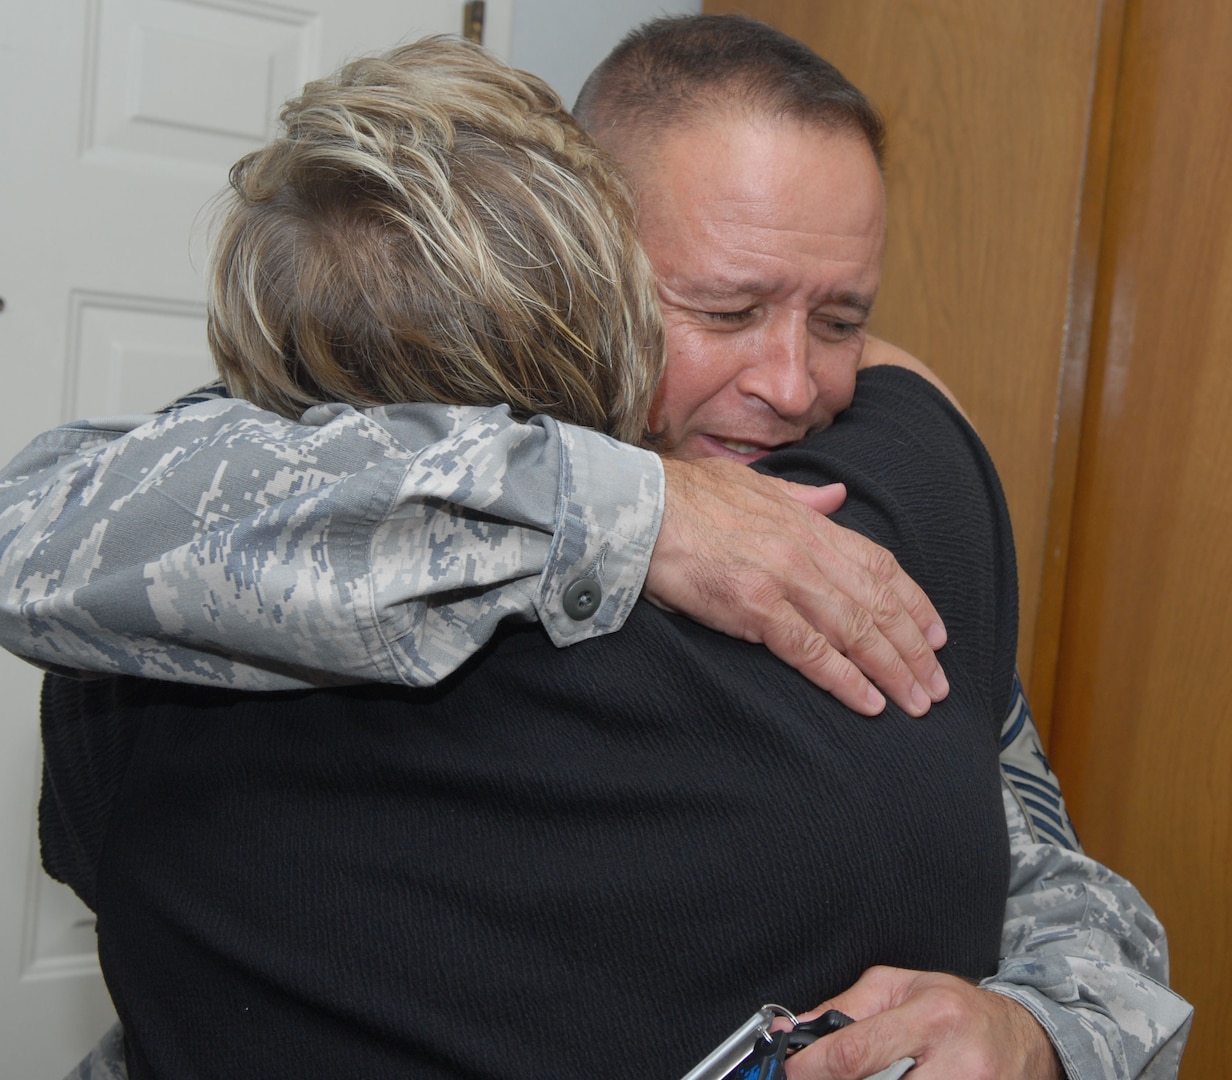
(764, 175)
(640, 146)
(733, 217)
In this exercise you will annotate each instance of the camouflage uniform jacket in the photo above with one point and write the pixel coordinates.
(408, 531)
(1080, 948)
(172, 547)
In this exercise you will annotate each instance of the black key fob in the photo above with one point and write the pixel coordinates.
(808, 1032)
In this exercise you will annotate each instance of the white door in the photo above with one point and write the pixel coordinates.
(120, 120)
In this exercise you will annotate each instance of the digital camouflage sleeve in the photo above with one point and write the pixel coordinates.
(1081, 949)
(172, 547)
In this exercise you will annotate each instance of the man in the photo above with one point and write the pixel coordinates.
(766, 290)
(775, 306)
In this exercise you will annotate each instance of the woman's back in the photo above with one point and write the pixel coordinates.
(595, 860)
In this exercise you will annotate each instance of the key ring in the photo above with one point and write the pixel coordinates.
(739, 1044)
(742, 1044)
(777, 1010)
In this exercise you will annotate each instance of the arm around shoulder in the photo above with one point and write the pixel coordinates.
(225, 545)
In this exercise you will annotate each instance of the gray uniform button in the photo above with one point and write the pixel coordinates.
(582, 598)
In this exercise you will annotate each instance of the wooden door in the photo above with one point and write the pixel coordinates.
(1143, 738)
(1060, 250)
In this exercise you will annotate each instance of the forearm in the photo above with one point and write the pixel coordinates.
(1084, 953)
(225, 545)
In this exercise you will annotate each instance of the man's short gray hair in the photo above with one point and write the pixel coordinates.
(678, 70)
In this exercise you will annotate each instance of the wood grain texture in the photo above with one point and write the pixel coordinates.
(1060, 186)
(988, 109)
(1041, 683)
(1143, 736)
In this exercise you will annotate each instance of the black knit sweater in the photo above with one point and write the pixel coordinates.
(591, 862)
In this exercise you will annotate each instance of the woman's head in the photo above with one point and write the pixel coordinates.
(430, 225)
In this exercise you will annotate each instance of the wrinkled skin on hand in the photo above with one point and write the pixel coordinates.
(756, 558)
(955, 1031)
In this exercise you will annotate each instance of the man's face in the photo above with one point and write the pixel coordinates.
(766, 238)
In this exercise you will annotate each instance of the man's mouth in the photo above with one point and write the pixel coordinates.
(736, 449)
(741, 447)
(699, 445)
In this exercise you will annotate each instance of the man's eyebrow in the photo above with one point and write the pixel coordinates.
(731, 290)
(723, 291)
(855, 301)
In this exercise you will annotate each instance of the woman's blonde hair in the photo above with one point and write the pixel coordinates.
(430, 225)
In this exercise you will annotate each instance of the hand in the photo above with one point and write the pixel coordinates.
(756, 558)
(955, 1031)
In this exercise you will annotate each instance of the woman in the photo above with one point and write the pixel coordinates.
(592, 861)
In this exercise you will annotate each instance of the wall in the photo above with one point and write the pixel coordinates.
(562, 41)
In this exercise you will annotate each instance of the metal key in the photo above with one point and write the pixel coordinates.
(766, 1060)
(723, 1060)
(753, 1052)
(720, 1062)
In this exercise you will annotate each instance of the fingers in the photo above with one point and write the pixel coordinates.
(949, 1027)
(893, 639)
(825, 499)
(751, 556)
(878, 990)
(905, 595)
(870, 618)
(797, 642)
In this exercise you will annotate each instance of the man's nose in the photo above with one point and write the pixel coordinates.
(779, 372)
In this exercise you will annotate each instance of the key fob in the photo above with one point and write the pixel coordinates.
(808, 1032)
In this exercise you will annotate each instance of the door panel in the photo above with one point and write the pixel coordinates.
(121, 120)
(1143, 738)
